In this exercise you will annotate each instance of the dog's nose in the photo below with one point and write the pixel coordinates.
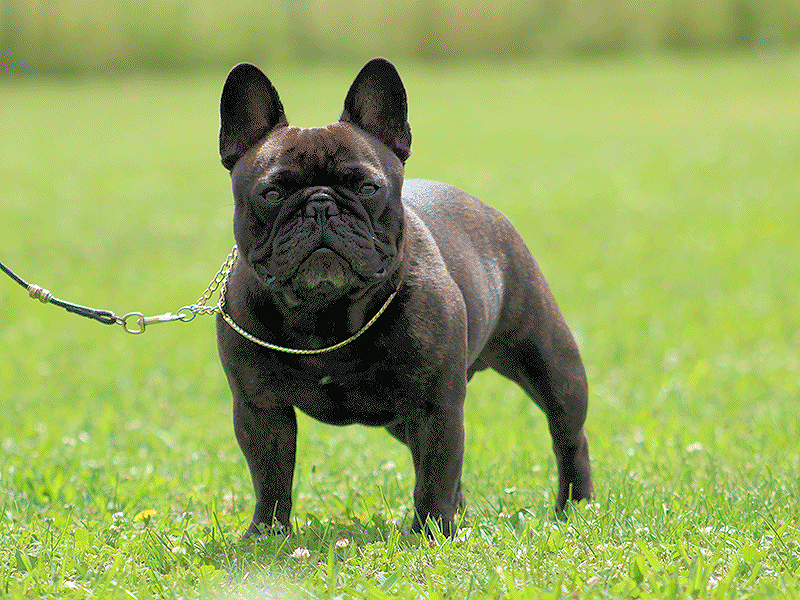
(321, 205)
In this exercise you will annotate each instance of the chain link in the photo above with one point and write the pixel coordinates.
(219, 278)
(135, 322)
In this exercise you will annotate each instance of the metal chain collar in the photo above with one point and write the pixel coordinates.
(220, 308)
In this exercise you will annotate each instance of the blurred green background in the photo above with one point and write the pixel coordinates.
(79, 36)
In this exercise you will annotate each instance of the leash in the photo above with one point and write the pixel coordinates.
(106, 317)
(133, 322)
(136, 323)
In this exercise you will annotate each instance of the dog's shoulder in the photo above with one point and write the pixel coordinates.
(428, 198)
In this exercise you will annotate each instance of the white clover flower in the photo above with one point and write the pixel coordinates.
(301, 552)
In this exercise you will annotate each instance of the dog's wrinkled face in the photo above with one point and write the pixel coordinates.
(318, 211)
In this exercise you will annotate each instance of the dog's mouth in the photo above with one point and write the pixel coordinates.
(330, 252)
(323, 273)
(323, 268)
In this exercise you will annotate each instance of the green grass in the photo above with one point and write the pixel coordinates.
(660, 197)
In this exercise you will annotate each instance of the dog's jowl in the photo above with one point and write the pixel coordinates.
(329, 236)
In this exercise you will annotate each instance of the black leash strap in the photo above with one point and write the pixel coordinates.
(106, 317)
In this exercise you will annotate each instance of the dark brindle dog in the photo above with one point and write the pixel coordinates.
(330, 235)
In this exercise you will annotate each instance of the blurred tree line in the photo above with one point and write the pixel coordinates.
(79, 36)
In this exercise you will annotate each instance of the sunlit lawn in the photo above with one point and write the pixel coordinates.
(661, 198)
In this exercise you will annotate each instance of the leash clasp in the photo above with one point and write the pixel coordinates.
(136, 322)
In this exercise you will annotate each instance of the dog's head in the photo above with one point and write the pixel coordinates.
(318, 212)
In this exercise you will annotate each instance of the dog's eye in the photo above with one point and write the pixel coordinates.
(367, 189)
(272, 195)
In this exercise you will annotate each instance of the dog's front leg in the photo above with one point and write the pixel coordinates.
(436, 441)
(268, 439)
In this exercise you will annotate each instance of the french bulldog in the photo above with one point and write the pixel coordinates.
(360, 297)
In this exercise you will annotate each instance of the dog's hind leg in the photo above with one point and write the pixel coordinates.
(547, 365)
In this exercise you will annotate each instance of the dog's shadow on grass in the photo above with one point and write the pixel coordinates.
(316, 540)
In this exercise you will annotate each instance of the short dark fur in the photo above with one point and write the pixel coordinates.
(327, 229)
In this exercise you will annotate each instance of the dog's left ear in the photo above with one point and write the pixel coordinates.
(377, 104)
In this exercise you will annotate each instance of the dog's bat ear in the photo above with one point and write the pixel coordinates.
(250, 108)
(377, 104)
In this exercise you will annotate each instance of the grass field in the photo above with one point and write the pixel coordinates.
(661, 198)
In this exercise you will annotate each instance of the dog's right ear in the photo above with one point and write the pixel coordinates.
(250, 108)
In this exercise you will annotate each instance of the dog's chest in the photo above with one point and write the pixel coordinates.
(341, 394)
